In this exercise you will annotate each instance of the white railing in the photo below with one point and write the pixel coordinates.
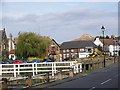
(36, 68)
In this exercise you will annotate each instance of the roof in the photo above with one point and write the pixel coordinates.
(12, 52)
(15, 40)
(85, 37)
(55, 42)
(108, 41)
(1, 31)
(77, 44)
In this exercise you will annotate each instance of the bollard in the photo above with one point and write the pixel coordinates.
(91, 65)
(84, 66)
(29, 81)
(60, 75)
(100, 64)
(4, 84)
(71, 73)
(0, 85)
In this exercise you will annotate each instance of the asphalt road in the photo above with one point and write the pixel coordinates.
(104, 78)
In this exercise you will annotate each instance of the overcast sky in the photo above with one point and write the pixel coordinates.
(62, 21)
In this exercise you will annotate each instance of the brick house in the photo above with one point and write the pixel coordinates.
(3, 44)
(76, 49)
(54, 50)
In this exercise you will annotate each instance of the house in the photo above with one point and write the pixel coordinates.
(79, 49)
(11, 44)
(12, 55)
(111, 47)
(3, 44)
(54, 50)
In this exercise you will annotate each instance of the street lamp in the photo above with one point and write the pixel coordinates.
(114, 43)
(103, 30)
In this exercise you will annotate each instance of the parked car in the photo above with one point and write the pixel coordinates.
(18, 62)
(8, 62)
(1, 62)
(48, 60)
(36, 61)
(25, 61)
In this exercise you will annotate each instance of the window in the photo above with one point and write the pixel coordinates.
(67, 55)
(4, 47)
(72, 50)
(12, 56)
(64, 55)
(64, 51)
(67, 50)
(82, 50)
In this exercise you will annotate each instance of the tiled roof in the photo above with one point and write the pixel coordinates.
(85, 37)
(108, 41)
(12, 52)
(77, 44)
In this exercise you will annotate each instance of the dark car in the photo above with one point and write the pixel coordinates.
(36, 61)
(8, 62)
(48, 60)
(25, 61)
(1, 62)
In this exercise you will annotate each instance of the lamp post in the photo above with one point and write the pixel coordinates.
(114, 43)
(103, 30)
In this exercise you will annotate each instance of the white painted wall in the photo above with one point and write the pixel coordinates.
(13, 46)
(98, 42)
(10, 55)
(83, 55)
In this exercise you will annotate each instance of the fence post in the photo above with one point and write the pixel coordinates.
(47, 77)
(71, 72)
(77, 68)
(52, 69)
(18, 69)
(33, 69)
(14, 70)
(60, 74)
(91, 65)
(36, 68)
(0, 70)
(84, 66)
(4, 84)
(29, 81)
(80, 67)
(55, 67)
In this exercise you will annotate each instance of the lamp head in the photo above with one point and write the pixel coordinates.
(103, 28)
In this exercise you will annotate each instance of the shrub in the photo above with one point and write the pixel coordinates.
(34, 58)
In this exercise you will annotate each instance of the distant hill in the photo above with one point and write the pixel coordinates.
(84, 37)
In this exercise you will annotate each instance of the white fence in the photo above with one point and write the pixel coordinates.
(36, 68)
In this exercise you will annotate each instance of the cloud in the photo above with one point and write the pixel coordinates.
(65, 25)
(60, 1)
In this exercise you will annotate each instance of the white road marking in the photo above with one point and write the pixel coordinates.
(91, 88)
(106, 81)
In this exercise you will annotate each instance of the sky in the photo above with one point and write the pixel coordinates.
(62, 21)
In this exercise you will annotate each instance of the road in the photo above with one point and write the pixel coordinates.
(104, 78)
